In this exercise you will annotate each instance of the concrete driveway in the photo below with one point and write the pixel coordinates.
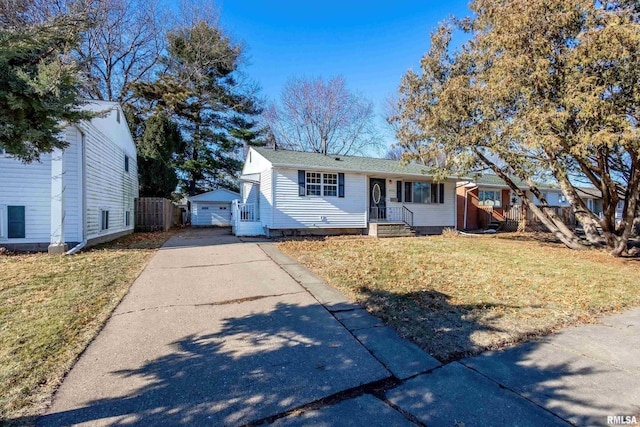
(217, 331)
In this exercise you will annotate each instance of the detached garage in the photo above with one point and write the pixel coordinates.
(212, 208)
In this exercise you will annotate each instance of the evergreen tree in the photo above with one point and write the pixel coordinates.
(38, 82)
(201, 91)
(156, 157)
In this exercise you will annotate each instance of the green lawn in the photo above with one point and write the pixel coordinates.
(51, 307)
(456, 296)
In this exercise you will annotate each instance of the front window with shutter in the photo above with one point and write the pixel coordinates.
(321, 184)
(423, 192)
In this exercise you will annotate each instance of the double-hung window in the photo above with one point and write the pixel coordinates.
(314, 184)
(320, 184)
(330, 184)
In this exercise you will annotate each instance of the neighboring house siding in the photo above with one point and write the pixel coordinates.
(72, 186)
(27, 185)
(109, 186)
(292, 211)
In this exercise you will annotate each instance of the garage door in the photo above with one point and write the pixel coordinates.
(211, 214)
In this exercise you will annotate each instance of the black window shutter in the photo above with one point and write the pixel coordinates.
(408, 192)
(399, 190)
(16, 222)
(434, 193)
(441, 192)
(301, 179)
(340, 185)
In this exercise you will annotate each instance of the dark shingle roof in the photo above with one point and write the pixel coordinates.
(304, 160)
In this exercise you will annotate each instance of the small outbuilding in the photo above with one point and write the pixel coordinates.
(212, 208)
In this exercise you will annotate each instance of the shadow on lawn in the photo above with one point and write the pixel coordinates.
(446, 331)
(263, 364)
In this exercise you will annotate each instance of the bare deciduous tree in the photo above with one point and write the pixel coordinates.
(124, 47)
(322, 117)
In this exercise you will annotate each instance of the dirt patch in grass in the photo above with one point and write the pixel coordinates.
(458, 296)
(51, 307)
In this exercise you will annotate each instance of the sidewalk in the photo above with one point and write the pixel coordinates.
(216, 331)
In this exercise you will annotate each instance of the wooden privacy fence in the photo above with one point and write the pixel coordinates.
(155, 214)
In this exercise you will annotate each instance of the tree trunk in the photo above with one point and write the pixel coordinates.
(631, 205)
(580, 210)
(550, 220)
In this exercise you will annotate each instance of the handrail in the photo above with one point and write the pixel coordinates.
(390, 214)
(407, 216)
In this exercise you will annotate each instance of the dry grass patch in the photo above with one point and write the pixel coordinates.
(456, 296)
(51, 307)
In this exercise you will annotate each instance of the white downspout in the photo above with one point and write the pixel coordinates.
(466, 201)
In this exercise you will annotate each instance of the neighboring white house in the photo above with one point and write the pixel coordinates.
(83, 194)
(296, 192)
(212, 208)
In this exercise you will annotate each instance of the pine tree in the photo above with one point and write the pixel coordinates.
(38, 82)
(201, 92)
(156, 157)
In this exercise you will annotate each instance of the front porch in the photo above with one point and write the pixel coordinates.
(396, 221)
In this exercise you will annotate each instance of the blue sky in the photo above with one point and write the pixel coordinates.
(370, 43)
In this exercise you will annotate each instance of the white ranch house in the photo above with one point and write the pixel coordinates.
(78, 196)
(290, 192)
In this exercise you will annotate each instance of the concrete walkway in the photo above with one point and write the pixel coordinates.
(216, 331)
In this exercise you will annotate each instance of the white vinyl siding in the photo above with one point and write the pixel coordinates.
(294, 211)
(429, 214)
(266, 197)
(109, 186)
(71, 161)
(27, 185)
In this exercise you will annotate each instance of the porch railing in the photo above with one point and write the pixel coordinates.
(246, 212)
(391, 214)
